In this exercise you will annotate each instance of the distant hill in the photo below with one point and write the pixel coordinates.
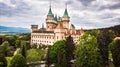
(14, 29)
(116, 29)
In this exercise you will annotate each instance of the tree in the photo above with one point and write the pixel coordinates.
(34, 46)
(34, 55)
(104, 39)
(57, 53)
(61, 59)
(10, 51)
(70, 47)
(18, 43)
(115, 50)
(4, 47)
(10, 39)
(87, 52)
(94, 32)
(24, 36)
(18, 61)
(3, 61)
(23, 48)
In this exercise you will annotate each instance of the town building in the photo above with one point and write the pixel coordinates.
(57, 28)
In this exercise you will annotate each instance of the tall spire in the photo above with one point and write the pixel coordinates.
(55, 17)
(50, 4)
(50, 11)
(65, 12)
(66, 5)
(42, 25)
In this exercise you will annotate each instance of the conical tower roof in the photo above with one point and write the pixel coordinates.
(65, 12)
(59, 19)
(50, 12)
(55, 17)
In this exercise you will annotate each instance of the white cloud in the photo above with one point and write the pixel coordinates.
(95, 14)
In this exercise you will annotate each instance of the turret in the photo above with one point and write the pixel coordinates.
(50, 21)
(34, 27)
(66, 19)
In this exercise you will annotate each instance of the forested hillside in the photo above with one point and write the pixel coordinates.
(116, 29)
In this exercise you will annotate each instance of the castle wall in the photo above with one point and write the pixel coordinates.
(76, 38)
(42, 38)
(50, 38)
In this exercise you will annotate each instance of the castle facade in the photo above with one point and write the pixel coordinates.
(57, 28)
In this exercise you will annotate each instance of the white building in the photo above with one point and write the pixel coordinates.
(57, 28)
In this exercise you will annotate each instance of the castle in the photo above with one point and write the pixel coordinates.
(57, 28)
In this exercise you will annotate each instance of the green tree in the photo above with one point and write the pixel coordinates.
(34, 55)
(6, 49)
(34, 46)
(3, 61)
(18, 43)
(24, 36)
(70, 47)
(10, 51)
(115, 50)
(10, 39)
(94, 32)
(18, 61)
(57, 53)
(61, 59)
(23, 48)
(104, 39)
(87, 52)
(3, 48)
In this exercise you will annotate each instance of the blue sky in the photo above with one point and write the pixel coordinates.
(87, 14)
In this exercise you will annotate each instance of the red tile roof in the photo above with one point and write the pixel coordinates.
(59, 25)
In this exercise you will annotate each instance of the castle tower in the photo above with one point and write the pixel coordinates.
(50, 21)
(34, 27)
(65, 19)
(59, 32)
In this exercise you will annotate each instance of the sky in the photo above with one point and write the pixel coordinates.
(88, 14)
